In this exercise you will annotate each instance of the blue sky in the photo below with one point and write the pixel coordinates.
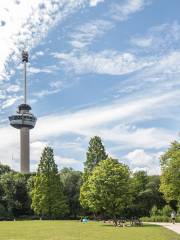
(97, 67)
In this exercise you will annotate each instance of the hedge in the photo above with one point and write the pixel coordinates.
(159, 219)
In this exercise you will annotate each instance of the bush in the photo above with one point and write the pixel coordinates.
(154, 211)
(166, 211)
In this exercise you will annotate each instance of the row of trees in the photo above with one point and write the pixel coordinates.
(107, 188)
(47, 193)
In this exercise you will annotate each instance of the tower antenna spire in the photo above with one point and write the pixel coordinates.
(25, 60)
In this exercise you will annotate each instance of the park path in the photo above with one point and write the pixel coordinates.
(174, 227)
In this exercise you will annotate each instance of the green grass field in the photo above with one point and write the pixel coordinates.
(72, 230)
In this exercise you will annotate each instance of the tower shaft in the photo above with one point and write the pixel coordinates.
(24, 141)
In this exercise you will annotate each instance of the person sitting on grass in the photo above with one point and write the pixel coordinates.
(85, 220)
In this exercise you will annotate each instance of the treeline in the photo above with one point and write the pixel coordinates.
(19, 197)
(106, 189)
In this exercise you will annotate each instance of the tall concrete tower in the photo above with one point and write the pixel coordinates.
(24, 120)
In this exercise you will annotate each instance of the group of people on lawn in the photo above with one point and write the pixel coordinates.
(173, 218)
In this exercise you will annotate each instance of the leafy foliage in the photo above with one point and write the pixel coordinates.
(5, 169)
(108, 188)
(170, 178)
(96, 153)
(15, 197)
(71, 180)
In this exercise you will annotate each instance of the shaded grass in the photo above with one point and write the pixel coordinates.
(73, 230)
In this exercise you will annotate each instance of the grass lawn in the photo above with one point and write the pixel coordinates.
(72, 230)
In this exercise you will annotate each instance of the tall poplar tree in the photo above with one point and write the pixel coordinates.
(96, 152)
(47, 193)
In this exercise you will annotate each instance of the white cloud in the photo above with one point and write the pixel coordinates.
(122, 11)
(93, 121)
(67, 162)
(34, 70)
(142, 42)
(44, 93)
(161, 38)
(140, 160)
(160, 77)
(26, 23)
(8, 102)
(13, 88)
(86, 33)
(94, 3)
(164, 72)
(105, 121)
(54, 87)
(106, 62)
(56, 84)
(37, 54)
(147, 138)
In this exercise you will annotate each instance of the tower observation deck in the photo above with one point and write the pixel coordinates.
(24, 120)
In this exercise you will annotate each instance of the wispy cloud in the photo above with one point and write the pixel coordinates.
(54, 87)
(97, 121)
(34, 70)
(161, 39)
(87, 122)
(123, 11)
(106, 62)
(85, 34)
(8, 102)
(37, 54)
(26, 23)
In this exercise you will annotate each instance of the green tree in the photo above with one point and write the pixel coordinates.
(146, 194)
(108, 188)
(71, 180)
(5, 169)
(14, 192)
(170, 178)
(47, 191)
(140, 181)
(96, 153)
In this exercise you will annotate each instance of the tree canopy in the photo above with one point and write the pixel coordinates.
(14, 192)
(170, 178)
(108, 188)
(71, 181)
(96, 152)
